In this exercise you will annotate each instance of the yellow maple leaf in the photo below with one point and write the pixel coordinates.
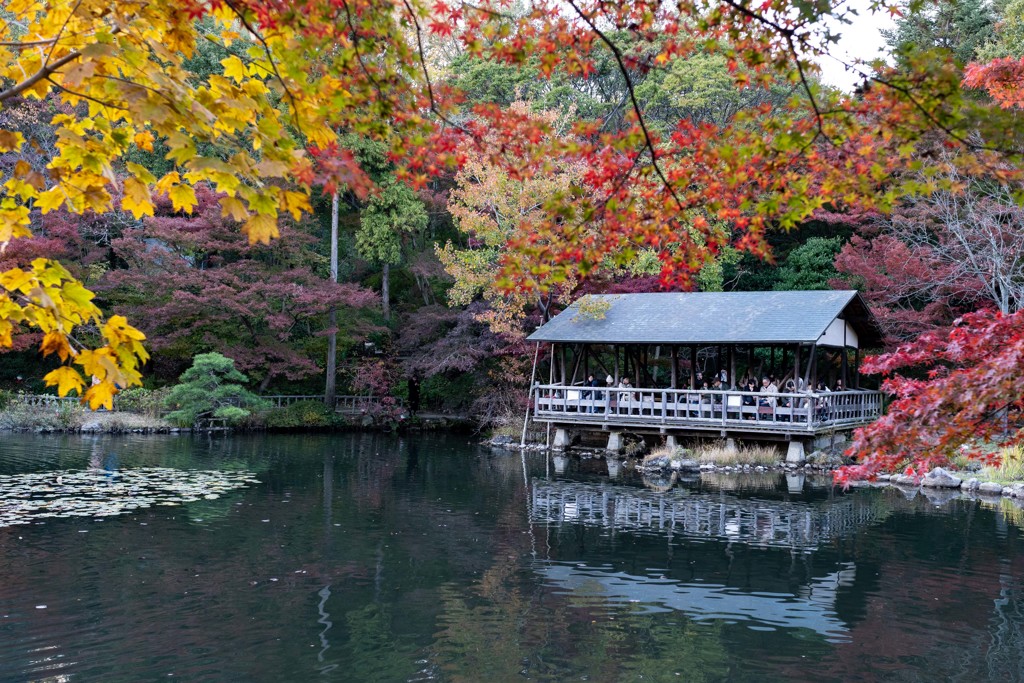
(231, 206)
(101, 395)
(20, 188)
(117, 331)
(66, 379)
(144, 140)
(11, 141)
(143, 174)
(95, 363)
(51, 199)
(296, 203)
(183, 197)
(14, 222)
(169, 180)
(234, 68)
(55, 342)
(261, 228)
(136, 198)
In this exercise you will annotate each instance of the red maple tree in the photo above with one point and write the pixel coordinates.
(955, 389)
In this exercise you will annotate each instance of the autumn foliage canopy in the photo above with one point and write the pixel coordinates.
(261, 132)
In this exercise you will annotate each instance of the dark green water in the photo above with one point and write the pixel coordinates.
(374, 558)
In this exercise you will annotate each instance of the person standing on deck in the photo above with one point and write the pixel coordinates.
(626, 397)
(593, 396)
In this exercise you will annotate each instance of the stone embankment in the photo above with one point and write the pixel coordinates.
(685, 460)
(938, 481)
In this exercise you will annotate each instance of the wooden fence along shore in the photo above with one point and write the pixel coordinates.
(353, 405)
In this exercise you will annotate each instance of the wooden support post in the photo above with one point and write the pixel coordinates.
(551, 367)
(615, 352)
(693, 367)
(733, 382)
(563, 364)
(771, 362)
(675, 366)
(807, 369)
(577, 358)
(796, 366)
(856, 368)
(750, 362)
(600, 364)
(812, 367)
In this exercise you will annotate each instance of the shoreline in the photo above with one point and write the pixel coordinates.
(115, 422)
(939, 483)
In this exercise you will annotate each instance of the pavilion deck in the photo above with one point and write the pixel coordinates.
(665, 410)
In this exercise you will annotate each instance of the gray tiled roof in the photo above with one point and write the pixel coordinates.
(713, 317)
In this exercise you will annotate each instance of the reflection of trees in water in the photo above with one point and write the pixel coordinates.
(993, 654)
(1004, 660)
(372, 651)
(506, 628)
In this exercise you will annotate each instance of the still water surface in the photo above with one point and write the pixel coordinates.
(363, 557)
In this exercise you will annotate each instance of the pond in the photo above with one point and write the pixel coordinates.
(366, 557)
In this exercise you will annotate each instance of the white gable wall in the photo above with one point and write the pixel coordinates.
(840, 333)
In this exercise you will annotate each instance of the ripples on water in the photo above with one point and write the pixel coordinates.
(370, 558)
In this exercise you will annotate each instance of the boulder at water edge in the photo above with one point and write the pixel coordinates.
(1015, 490)
(990, 487)
(941, 479)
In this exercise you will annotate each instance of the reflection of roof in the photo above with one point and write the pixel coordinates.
(712, 317)
(814, 611)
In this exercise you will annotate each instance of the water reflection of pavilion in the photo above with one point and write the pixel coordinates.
(812, 608)
(732, 588)
(798, 525)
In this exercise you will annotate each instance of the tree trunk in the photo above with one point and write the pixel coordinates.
(332, 339)
(385, 291)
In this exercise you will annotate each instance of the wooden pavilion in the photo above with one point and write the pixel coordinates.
(668, 345)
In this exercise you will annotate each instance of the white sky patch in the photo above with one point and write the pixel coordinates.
(860, 40)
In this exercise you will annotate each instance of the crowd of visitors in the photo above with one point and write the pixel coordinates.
(623, 398)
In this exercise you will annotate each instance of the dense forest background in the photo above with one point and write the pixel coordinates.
(417, 295)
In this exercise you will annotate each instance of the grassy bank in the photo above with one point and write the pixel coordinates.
(68, 416)
(717, 454)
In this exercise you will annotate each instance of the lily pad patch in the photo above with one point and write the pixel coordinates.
(28, 497)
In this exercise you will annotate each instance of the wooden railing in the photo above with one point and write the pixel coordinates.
(44, 399)
(358, 404)
(342, 404)
(780, 411)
